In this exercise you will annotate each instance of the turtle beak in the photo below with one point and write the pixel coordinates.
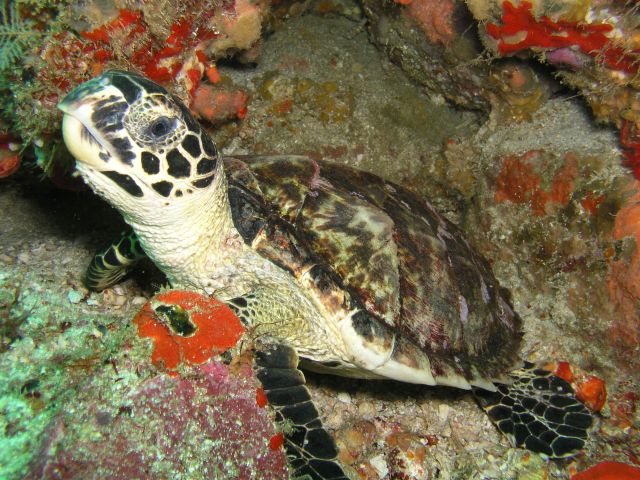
(81, 142)
(83, 122)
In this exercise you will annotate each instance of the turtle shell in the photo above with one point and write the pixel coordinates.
(359, 241)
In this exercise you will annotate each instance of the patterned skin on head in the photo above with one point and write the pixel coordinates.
(142, 138)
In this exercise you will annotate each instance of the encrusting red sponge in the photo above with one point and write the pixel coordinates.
(609, 471)
(187, 327)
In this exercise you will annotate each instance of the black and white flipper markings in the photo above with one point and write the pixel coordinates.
(539, 412)
(111, 263)
(311, 451)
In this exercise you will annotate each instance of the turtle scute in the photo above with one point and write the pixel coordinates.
(366, 243)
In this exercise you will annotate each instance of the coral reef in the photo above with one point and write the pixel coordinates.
(521, 30)
(436, 43)
(173, 43)
(593, 46)
(416, 41)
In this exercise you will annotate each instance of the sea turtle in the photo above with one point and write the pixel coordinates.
(354, 274)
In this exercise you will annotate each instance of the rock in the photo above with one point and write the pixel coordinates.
(74, 296)
(344, 397)
(443, 412)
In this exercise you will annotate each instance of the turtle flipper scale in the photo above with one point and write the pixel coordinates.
(312, 452)
(112, 262)
(538, 411)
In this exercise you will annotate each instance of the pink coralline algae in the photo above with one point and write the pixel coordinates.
(206, 422)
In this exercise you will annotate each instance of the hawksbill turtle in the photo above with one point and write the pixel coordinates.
(334, 269)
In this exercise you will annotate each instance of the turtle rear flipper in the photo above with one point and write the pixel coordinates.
(539, 412)
(312, 452)
(112, 262)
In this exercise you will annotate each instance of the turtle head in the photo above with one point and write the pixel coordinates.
(136, 144)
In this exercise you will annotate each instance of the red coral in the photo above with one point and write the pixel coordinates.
(187, 327)
(521, 30)
(564, 371)
(219, 103)
(592, 392)
(212, 74)
(609, 471)
(124, 19)
(160, 60)
(589, 389)
(9, 159)
(519, 183)
(276, 442)
(261, 397)
(624, 278)
(630, 142)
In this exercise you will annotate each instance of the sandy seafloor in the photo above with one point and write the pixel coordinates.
(349, 104)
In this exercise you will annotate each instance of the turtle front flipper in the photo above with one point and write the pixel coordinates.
(311, 450)
(539, 412)
(111, 263)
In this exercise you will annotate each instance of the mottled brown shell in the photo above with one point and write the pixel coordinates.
(375, 245)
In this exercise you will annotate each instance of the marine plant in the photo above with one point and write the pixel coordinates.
(15, 32)
(25, 25)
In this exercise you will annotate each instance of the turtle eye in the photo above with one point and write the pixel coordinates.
(162, 126)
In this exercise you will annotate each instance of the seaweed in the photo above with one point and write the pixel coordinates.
(15, 34)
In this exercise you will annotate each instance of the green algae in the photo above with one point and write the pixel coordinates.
(43, 367)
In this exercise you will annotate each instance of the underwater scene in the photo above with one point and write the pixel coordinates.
(320, 239)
